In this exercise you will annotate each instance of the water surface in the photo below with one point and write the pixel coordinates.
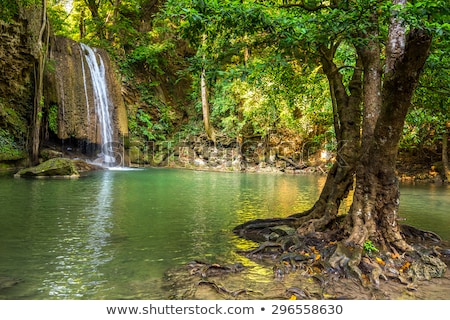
(113, 234)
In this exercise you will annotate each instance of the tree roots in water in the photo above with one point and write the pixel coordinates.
(326, 254)
(322, 260)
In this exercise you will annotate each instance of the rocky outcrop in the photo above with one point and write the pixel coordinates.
(18, 54)
(57, 168)
(69, 89)
(68, 112)
(60, 167)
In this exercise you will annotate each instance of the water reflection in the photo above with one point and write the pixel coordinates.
(113, 234)
(81, 247)
(426, 206)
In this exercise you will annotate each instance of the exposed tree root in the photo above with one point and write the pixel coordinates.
(205, 270)
(198, 274)
(222, 290)
(326, 255)
(325, 261)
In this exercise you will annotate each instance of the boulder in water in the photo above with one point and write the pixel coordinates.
(57, 167)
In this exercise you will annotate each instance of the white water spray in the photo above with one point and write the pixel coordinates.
(101, 100)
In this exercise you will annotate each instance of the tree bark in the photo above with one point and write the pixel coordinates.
(81, 24)
(205, 107)
(93, 6)
(370, 55)
(205, 100)
(445, 164)
(374, 211)
(39, 85)
(347, 115)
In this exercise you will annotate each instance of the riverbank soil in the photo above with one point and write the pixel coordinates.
(297, 286)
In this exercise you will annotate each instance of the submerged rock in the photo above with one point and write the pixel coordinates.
(8, 282)
(57, 167)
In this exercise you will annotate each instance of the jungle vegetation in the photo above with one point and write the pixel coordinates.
(373, 73)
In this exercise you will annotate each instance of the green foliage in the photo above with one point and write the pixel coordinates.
(152, 55)
(10, 8)
(436, 11)
(13, 128)
(145, 125)
(53, 118)
(58, 16)
(274, 89)
(11, 119)
(369, 247)
(261, 60)
(420, 128)
(430, 113)
(142, 125)
(10, 149)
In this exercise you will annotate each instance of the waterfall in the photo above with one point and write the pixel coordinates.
(85, 88)
(101, 101)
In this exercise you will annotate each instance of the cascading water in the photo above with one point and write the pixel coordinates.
(101, 101)
(85, 88)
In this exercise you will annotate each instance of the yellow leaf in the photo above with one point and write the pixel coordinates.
(293, 297)
(317, 257)
(380, 261)
(404, 266)
(314, 250)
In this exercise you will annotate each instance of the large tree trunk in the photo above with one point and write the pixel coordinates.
(347, 115)
(445, 165)
(340, 178)
(205, 107)
(371, 153)
(39, 86)
(374, 212)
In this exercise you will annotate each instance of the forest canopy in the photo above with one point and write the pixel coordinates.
(260, 61)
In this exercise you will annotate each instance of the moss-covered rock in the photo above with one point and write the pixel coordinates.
(83, 166)
(48, 153)
(57, 167)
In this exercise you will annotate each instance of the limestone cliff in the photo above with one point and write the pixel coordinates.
(17, 57)
(69, 88)
(69, 111)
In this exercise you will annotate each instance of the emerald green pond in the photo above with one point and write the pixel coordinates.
(113, 234)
